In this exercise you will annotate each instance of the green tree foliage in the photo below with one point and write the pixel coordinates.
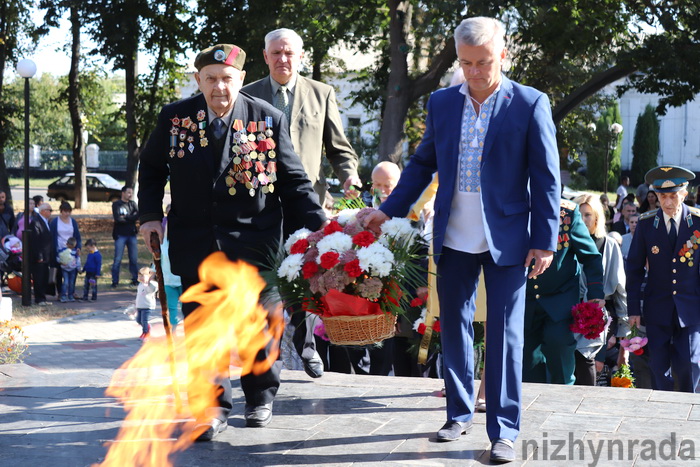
(605, 149)
(102, 115)
(645, 147)
(16, 31)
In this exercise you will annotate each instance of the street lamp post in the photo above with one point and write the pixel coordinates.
(614, 131)
(26, 69)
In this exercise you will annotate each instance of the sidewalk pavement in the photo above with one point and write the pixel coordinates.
(53, 411)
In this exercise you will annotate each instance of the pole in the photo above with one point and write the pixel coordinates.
(605, 175)
(155, 247)
(26, 275)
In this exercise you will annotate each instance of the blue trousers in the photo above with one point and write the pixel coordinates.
(131, 243)
(68, 286)
(458, 275)
(676, 348)
(144, 314)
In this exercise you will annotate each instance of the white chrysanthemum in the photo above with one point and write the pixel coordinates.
(337, 241)
(399, 228)
(377, 259)
(347, 215)
(298, 235)
(420, 320)
(291, 267)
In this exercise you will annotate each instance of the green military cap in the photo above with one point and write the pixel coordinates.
(220, 54)
(668, 178)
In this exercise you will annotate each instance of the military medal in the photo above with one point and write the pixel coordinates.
(204, 142)
(655, 250)
(687, 250)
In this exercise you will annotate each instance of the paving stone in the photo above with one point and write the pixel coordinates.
(622, 407)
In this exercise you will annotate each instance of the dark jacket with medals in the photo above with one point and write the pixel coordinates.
(224, 203)
(673, 276)
(557, 289)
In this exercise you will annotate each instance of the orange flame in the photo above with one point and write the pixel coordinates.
(230, 323)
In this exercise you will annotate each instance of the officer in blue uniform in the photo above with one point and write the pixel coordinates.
(667, 239)
(549, 342)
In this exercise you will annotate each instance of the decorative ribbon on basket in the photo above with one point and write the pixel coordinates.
(352, 320)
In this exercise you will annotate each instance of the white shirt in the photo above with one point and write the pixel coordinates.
(676, 218)
(65, 231)
(465, 226)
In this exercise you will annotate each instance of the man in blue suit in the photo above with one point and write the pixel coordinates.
(493, 144)
(667, 240)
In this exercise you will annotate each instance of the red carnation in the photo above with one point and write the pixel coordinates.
(416, 302)
(353, 268)
(436, 326)
(639, 351)
(589, 320)
(300, 246)
(364, 238)
(421, 328)
(329, 259)
(332, 228)
(309, 269)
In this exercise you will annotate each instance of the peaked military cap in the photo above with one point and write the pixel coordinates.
(668, 178)
(220, 54)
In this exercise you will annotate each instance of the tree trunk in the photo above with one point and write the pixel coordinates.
(586, 90)
(79, 166)
(132, 140)
(401, 90)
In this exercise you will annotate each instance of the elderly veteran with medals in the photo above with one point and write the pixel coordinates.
(666, 243)
(550, 344)
(233, 177)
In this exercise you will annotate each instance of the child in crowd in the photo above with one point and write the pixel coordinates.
(145, 299)
(92, 269)
(69, 259)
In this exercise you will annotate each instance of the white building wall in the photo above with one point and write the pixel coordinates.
(679, 132)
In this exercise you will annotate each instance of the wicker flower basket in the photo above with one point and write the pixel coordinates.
(360, 330)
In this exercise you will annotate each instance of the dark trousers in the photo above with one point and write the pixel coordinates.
(258, 389)
(458, 276)
(90, 276)
(676, 348)
(585, 370)
(549, 347)
(40, 276)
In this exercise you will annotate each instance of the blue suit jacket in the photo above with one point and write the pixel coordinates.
(671, 282)
(519, 171)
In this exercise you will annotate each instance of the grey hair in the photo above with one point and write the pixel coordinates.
(480, 30)
(284, 33)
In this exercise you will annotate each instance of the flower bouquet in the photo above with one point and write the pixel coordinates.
(589, 320)
(356, 281)
(634, 342)
(622, 378)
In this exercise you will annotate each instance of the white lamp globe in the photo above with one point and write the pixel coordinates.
(26, 68)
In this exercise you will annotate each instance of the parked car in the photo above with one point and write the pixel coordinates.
(100, 187)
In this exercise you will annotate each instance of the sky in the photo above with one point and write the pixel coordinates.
(50, 55)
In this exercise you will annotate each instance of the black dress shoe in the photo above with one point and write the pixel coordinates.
(313, 366)
(502, 451)
(452, 430)
(258, 416)
(216, 426)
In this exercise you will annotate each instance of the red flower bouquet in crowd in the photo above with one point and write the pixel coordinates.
(346, 271)
(589, 320)
(634, 342)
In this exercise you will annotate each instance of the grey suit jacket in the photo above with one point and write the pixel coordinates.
(315, 123)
